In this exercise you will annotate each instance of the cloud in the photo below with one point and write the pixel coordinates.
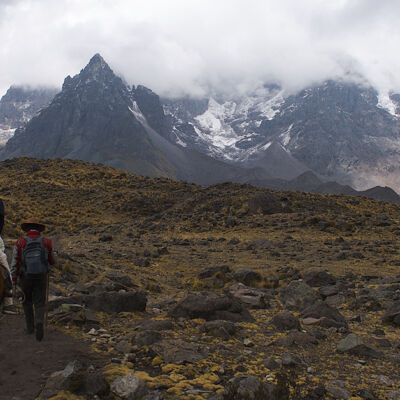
(195, 47)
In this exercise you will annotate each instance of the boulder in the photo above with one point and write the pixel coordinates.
(297, 295)
(179, 352)
(285, 321)
(392, 315)
(134, 300)
(319, 278)
(250, 297)
(129, 387)
(353, 344)
(247, 276)
(145, 338)
(328, 316)
(110, 302)
(297, 338)
(246, 387)
(326, 291)
(156, 325)
(71, 379)
(211, 306)
(211, 271)
(220, 329)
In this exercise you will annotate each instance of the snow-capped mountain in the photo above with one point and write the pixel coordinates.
(339, 130)
(98, 118)
(18, 106)
(224, 129)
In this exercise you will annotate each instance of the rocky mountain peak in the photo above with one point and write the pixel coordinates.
(96, 72)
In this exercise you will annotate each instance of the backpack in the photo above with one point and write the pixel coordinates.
(35, 257)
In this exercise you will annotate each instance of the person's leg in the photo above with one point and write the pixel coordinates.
(26, 286)
(39, 301)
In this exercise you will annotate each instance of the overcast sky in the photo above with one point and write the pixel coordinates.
(192, 46)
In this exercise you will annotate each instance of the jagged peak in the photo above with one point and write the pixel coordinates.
(96, 64)
(96, 70)
(98, 60)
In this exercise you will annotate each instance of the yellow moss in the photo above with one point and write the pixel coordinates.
(172, 367)
(66, 396)
(144, 376)
(156, 361)
(114, 371)
(175, 390)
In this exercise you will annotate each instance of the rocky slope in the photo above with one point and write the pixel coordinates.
(221, 292)
(18, 106)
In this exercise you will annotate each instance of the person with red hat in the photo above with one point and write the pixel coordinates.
(32, 256)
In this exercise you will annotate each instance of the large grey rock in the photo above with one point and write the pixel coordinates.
(294, 338)
(319, 278)
(285, 321)
(129, 387)
(211, 307)
(247, 386)
(247, 276)
(156, 325)
(220, 329)
(297, 295)
(250, 297)
(179, 351)
(211, 271)
(71, 379)
(328, 316)
(145, 338)
(110, 302)
(134, 300)
(392, 315)
(353, 344)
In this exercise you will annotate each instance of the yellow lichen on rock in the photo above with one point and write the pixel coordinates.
(63, 395)
(114, 371)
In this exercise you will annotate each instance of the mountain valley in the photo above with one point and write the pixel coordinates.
(209, 292)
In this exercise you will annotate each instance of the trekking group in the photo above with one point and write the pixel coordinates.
(28, 273)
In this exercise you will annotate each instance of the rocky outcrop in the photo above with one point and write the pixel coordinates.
(210, 307)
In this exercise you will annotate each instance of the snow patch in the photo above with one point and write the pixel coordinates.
(285, 136)
(135, 110)
(5, 136)
(266, 146)
(386, 103)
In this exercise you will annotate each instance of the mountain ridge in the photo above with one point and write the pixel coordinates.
(268, 139)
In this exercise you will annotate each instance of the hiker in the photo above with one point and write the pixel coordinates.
(7, 295)
(32, 256)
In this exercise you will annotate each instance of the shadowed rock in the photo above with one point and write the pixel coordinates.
(210, 307)
(285, 321)
(327, 315)
(297, 296)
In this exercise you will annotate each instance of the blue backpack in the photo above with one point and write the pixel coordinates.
(35, 257)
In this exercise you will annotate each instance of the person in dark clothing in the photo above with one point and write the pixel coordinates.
(31, 269)
(1, 216)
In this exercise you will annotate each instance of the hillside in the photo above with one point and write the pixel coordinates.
(183, 248)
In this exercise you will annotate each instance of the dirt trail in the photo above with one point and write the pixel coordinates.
(25, 364)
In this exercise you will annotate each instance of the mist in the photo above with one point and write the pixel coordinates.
(198, 47)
